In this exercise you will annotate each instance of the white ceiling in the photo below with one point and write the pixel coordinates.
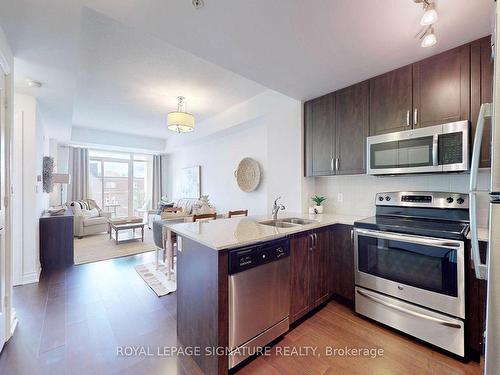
(119, 64)
(304, 48)
(129, 80)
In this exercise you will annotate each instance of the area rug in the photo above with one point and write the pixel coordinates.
(100, 247)
(157, 279)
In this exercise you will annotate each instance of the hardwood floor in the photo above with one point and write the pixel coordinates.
(336, 326)
(73, 321)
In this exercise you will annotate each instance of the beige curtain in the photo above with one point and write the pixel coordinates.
(157, 177)
(79, 172)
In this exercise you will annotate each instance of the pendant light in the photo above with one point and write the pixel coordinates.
(180, 121)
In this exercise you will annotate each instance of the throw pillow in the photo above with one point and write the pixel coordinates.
(88, 214)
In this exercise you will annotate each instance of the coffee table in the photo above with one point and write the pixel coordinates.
(120, 225)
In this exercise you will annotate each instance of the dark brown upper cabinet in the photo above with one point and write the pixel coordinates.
(352, 127)
(319, 116)
(447, 87)
(336, 127)
(482, 91)
(391, 101)
(441, 88)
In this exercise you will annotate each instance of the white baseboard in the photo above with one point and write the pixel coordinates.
(13, 322)
(31, 277)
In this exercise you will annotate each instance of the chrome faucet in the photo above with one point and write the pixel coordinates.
(276, 207)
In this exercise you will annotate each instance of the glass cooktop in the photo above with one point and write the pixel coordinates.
(418, 227)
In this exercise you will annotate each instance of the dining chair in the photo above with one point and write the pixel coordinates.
(230, 214)
(205, 217)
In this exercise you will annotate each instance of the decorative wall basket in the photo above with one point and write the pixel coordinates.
(48, 174)
(248, 174)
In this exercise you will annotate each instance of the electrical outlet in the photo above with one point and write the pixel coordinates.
(340, 197)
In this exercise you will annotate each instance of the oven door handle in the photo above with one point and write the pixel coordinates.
(409, 238)
(409, 312)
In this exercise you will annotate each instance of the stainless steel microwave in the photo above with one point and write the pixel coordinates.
(440, 148)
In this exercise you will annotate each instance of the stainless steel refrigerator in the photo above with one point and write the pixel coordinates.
(491, 269)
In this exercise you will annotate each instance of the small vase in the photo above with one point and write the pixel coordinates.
(319, 209)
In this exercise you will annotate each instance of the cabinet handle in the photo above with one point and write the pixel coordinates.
(331, 165)
(315, 240)
(312, 242)
(415, 116)
(408, 118)
(337, 164)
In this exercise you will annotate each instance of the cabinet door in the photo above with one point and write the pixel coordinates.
(320, 135)
(343, 262)
(300, 248)
(391, 101)
(321, 267)
(482, 91)
(351, 123)
(441, 88)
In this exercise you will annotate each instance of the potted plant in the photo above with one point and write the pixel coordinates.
(318, 200)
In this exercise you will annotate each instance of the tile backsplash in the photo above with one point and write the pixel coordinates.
(355, 195)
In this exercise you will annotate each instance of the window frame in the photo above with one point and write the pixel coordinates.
(129, 158)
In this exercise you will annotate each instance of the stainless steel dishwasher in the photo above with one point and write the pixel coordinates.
(259, 297)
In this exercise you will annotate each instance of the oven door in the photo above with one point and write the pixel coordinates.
(422, 270)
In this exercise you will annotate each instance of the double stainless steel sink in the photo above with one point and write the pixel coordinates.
(289, 222)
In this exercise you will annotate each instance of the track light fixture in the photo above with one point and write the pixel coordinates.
(429, 18)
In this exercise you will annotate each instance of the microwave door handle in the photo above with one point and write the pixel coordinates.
(480, 269)
(435, 150)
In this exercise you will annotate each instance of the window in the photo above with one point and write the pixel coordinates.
(120, 182)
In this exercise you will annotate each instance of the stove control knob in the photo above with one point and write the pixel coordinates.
(460, 200)
(380, 199)
(449, 200)
(387, 198)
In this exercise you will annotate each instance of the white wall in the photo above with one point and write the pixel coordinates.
(31, 144)
(62, 166)
(358, 192)
(7, 315)
(266, 128)
(218, 159)
(90, 137)
(55, 196)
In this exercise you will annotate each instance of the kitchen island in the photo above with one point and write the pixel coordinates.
(203, 282)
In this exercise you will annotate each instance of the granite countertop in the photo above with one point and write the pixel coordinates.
(242, 231)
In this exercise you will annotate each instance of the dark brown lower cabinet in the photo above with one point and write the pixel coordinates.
(56, 240)
(475, 305)
(300, 245)
(310, 270)
(343, 263)
(321, 256)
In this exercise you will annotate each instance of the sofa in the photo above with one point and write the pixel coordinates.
(88, 218)
(183, 207)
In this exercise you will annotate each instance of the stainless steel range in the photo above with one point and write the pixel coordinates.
(409, 265)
